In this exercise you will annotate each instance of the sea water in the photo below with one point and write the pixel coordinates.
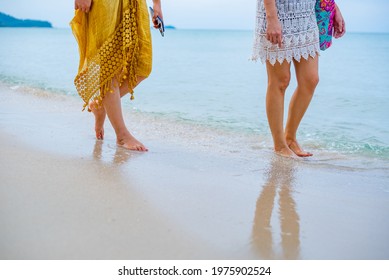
(204, 82)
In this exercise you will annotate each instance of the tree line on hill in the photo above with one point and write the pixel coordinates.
(10, 21)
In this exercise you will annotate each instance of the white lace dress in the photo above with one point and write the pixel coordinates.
(299, 31)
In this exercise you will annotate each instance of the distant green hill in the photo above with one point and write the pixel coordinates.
(9, 21)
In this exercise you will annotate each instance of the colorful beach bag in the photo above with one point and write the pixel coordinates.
(325, 12)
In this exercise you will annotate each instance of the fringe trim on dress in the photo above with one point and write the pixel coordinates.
(117, 58)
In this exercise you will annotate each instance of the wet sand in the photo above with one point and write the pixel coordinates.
(64, 195)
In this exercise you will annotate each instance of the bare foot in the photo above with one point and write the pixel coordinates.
(100, 114)
(129, 142)
(285, 152)
(295, 147)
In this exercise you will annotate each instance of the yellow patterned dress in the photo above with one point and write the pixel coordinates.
(115, 46)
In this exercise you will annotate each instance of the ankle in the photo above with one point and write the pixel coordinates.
(281, 147)
(122, 134)
(283, 151)
(290, 137)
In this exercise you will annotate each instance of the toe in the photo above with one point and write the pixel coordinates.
(99, 135)
(304, 154)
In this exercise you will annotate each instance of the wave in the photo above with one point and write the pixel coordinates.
(243, 143)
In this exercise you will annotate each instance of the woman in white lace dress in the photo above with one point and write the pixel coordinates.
(286, 32)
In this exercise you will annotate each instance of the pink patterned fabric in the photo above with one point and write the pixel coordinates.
(325, 12)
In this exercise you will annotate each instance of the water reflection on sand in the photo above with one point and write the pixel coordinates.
(280, 185)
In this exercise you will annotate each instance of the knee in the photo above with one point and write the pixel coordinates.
(284, 82)
(280, 82)
(311, 82)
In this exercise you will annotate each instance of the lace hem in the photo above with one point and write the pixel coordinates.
(300, 33)
(307, 46)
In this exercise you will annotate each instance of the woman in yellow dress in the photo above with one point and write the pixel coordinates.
(115, 56)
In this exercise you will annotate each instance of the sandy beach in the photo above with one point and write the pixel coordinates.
(64, 195)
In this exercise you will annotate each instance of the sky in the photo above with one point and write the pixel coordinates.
(360, 15)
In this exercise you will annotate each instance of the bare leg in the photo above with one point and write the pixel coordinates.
(307, 73)
(112, 105)
(100, 113)
(124, 87)
(278, 81)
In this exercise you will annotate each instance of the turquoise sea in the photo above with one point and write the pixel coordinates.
(205, 82)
